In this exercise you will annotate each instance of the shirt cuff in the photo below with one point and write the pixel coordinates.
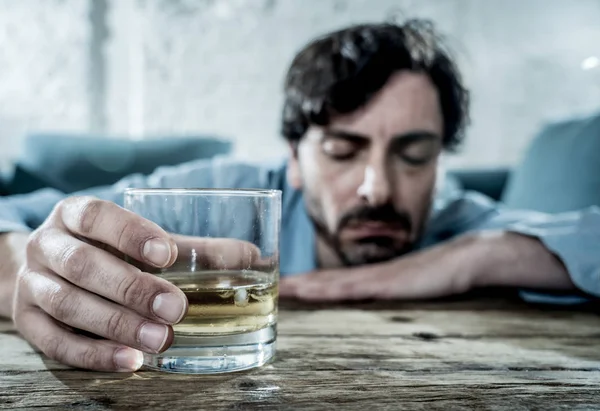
(577, 245)
(541, 298)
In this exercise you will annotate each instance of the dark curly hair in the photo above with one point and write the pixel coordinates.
(343, 70)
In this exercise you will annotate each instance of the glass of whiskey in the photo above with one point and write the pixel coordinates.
(227, 266)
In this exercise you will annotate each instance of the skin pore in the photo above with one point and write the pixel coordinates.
(368, 176)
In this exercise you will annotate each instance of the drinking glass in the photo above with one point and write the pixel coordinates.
(227, 266)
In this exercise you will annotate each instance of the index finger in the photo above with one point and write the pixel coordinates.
(121, 229)
(207, 253)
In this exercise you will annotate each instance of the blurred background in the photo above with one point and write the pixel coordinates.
(147, 69)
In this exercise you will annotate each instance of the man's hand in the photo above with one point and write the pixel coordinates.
(12, 256)
(73, 279)
(476, 260)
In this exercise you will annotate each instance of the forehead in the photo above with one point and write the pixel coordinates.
(408, 102)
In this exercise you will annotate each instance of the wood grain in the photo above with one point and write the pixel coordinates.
(477, 354)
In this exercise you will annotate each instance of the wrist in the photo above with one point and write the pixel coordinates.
(484, 249)
(468, 255)
(12, 257)
(510, 259)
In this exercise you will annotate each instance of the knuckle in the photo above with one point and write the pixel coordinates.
(60, 206)
(87, 217)
(74, 262)
(132, 291)
(116, 325)
(62, 304)
(128, 236)
(133, 234)
(92, 357)
(51, 344)
(35, 242)
(55, 347)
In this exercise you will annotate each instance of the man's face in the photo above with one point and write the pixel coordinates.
(368, 177)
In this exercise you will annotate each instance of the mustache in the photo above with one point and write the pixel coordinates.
(384, 214)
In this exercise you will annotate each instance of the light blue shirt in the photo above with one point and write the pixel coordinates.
(574, 237)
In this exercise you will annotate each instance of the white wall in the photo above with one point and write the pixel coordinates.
(149, 67)
(43, 69)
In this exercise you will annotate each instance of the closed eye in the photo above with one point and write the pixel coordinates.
(417, 149)
(414, 161)
(340, 149)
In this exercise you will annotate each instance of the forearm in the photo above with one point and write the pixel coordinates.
(506, 259)
(12, 256)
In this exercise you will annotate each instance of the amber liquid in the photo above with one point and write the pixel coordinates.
(226, 302)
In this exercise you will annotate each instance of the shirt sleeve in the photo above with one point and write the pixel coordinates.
(28, 211)
(574, 237)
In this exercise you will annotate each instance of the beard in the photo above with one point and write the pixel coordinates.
(371, 249)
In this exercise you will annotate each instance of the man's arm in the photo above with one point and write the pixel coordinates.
(12, 256)
(28, 211)
(473, 242)
(23, 213)
(530, 249)
(70, 280)
(506, 259)
(20, 214)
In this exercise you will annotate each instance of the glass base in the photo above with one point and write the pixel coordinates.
(215, 354)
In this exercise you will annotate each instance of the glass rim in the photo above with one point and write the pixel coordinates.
(237, 192)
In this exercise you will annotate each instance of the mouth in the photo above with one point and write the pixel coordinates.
(375, 229)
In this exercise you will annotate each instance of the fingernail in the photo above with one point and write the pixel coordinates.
(169, 307)
(153, 336)
(157, 251)
(128, 359)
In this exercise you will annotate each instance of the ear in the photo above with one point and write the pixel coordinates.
(294, 176)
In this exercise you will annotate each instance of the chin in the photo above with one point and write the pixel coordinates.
(362, 257)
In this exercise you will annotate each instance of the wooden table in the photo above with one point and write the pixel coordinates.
(482, 354)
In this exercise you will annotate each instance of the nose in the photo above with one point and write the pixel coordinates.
(376, 187)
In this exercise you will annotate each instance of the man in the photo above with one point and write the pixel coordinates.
(367, 112)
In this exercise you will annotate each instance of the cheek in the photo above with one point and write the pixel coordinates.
(331, 187)
(416, 192)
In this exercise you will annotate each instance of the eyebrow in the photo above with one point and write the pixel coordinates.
(400, 139)
(345, 135)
